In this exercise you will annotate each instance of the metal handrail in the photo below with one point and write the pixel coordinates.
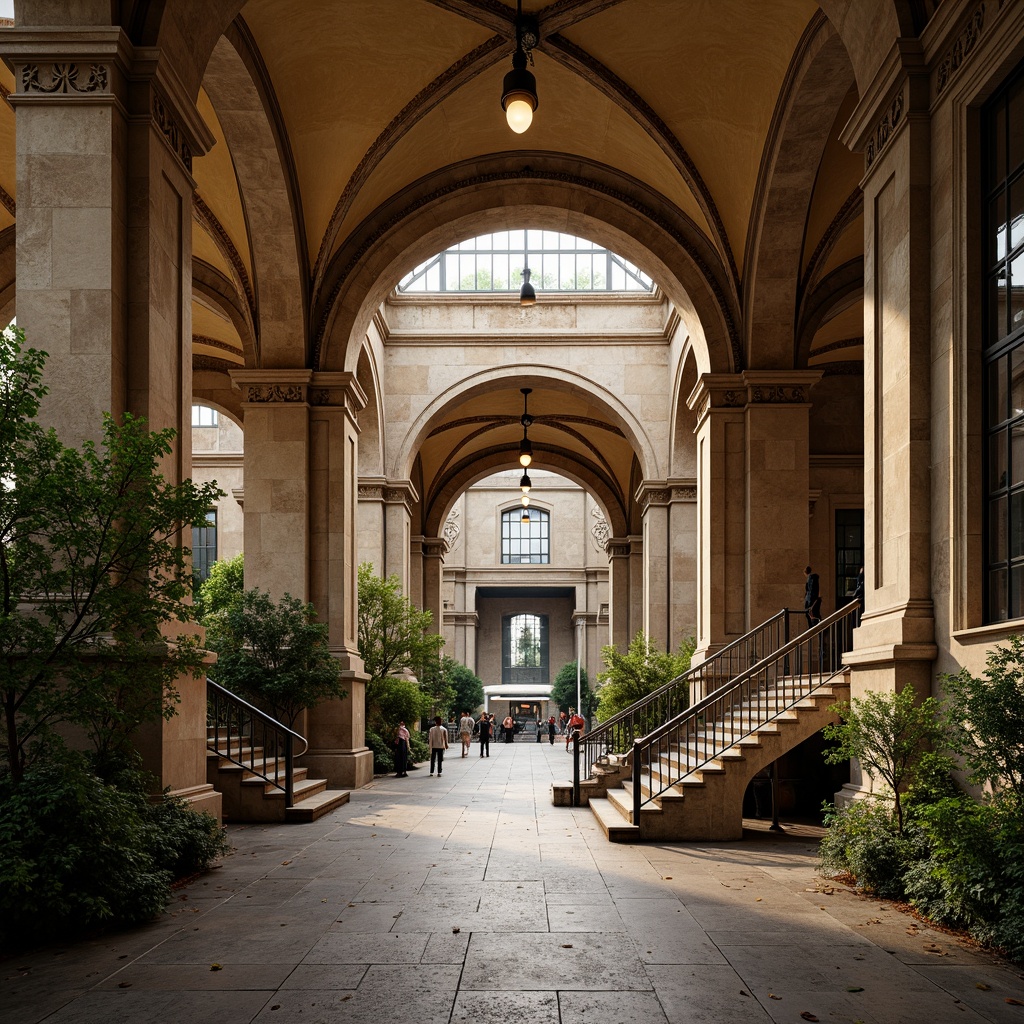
(691, 740)
(617, 734)
(239, 727)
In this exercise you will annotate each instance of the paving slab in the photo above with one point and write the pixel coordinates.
(472, 900)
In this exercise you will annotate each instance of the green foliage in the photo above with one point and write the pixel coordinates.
(419, 748)
(563, 690)
(438, 692)
(889, 735)
(864, 840)
(222, 587)
(77, 853)
(392, 637)
(93, 579)
(275, 654)
(394, 700)
(640, 671)
(468, 687)
(383, 753)
(988, 719)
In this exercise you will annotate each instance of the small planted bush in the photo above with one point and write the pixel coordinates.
(383, 753)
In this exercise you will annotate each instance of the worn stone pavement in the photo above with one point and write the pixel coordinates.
(470, 898)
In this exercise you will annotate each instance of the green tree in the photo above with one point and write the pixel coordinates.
(393, 638)
(468, 687)
(222, 587)
(93, 578)
(436, 687)
(563, 690)
(274, 653)
(988, 719)
(889, 734)
(640, 671)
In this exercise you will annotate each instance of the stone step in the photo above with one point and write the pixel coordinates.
(613, 824)
(302, 789)
(316, 805)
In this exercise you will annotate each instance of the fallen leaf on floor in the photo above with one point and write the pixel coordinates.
(285, 863)
(455, 931)
(742, 993)
(124, 984)
(772, 995)
(668, 878)
(1012, 1001)
(931, 947)
(276, 1006)
(345, 999)
(566, 945)
(759, 898)
(854, 988)
(807, 1015)
(216, 967)
(982, 986)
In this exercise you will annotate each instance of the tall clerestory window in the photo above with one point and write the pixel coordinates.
(524, 543)
(524, 649)
(1003, 345)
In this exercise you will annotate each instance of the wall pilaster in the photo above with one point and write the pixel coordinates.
(618, 591)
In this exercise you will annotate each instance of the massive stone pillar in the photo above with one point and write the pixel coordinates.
(399, 498)
(618, 591)
(894, 645)
(434, 550)
(300, 533)
(105, 140)
(719, 401)
(778, 487)
(653, 498)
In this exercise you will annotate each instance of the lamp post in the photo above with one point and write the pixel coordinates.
(579, 661)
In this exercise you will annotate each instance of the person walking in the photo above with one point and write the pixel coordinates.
(551, 730)
(812, 598)
(574, 727)
(438, 739)
(401, 751)
(466, 732)
(483, 728)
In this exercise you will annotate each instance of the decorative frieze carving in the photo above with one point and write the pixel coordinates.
(452, 528)
(684, 493)
(885, 127)
(962, 46)
(617, 547)
(274, 393)
(320, 396)
(66, 78)
(599, 531)
(777, 393)
(654, 497)
(171, 131)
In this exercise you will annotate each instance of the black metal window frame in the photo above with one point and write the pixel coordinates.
(525, 543)
(849, 543)
(204, 546)
(204, 416)
(516, 671)
(1003, 350)
(558, 263)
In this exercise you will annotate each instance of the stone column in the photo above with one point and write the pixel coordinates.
(778, 487)
(895, 644)
(434, 550)
(618, 587)
(399, 499)
(719, 400)
(372, 522)
(682, 557)
(653, 497)
(337, 728)
(105, 137)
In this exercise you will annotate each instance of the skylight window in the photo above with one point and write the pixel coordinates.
(558, 263)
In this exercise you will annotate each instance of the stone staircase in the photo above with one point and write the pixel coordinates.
(250, 761)
(685, 779)
(706, 803)
(249, 797)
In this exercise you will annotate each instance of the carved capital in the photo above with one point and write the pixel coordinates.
(66, 78)
(617, 547)
(653, 493)
(274, 393)
(960, 48)
(435, 547)
(340, 390)
(171, 130)
(686, 492)
(272, 386)
(370, 492)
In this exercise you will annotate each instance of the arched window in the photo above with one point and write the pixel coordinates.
(1003, 352)
(495, 262)
(525, 543)
(524, 646)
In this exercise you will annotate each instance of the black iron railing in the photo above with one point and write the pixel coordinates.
(250, 738)
(618, 734)
(707, 729)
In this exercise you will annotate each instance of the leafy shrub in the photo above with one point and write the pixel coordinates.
(393, 700)
(640, 671)
(77, 853)
(419, 748)
(383, 753)
(864, 839)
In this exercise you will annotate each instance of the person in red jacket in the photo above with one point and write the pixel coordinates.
(574, 727)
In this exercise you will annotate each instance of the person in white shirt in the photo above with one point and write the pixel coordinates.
(466, 732)
(438, 745)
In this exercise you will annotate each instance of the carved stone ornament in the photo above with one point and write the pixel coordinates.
(684, 493)
(885, 128)
(171, 131)
(777, 393)
(321, 396)
(370, 492)
(452, 529)
(654, 498)
(274, 393)
(65, 78)
(599, 531)
(962, 46)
